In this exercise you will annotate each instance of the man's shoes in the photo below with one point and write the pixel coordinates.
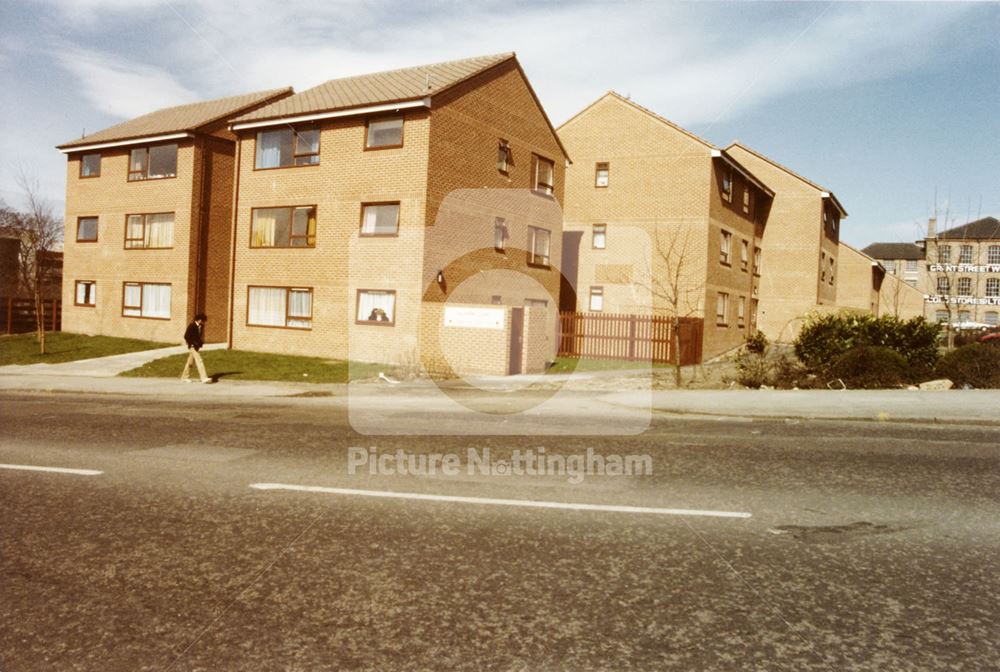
(207, 381)
(186, 380)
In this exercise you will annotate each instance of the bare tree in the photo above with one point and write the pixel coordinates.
(672, 283)
(39, 233)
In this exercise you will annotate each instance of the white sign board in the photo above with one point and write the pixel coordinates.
(474, 318)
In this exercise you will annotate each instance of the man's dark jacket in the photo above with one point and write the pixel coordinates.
(193, 336)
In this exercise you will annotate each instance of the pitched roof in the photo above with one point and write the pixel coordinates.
(985, 228)
(178, 119)
(716, 151)
(843, 212)
(381, 87)
(907, 251)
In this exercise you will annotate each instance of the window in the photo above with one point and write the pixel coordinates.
(152, 163)
(741, 311)
(745, 254)
(911, 265)
(757, 252)
(86, 230)
(822, 267)
(384, 133)
(943, 285)
(941, 316)
(722, 309)
(965, 286)
(596, 299)
(544, 180)
(380, 219)
(538, 246)
(536, 303)
(376, 306)
(500, 234)
(86, 293)
(600, 237)
(753, 311)
(146, 299)
(725, 247)
(992, 286)
(505, 158)
(90, 165)
(727, 185)
(496, 300)
(283, 227)
(964, 316)
(993, 254)
(601, 174)
(280, 307)
(944, 254)
(832, 262)
(287, 147)
(890, 265)
(747, 200)
(965, 254)
(149, 231)
(991, 318)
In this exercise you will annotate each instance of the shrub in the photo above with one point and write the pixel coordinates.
(752, 369)
(870, 367)
(757, 343)
(977, 365)
(826, 338)
(788, 373)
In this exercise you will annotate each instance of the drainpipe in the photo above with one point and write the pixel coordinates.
(232, 260)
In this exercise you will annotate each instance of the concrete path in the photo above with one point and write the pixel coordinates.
(101, 367)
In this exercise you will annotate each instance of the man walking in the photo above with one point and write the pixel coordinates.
(194, 336)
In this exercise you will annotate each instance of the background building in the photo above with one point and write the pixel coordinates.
(963, 265)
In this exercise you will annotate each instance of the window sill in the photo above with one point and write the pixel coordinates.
(375, 323)
(278, 326)
(151, 179)
(292, 165)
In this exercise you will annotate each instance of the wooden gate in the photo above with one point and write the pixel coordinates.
(646, 338)
(19, 315)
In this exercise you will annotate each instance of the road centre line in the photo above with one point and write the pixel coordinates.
(54, 470)
(526, 503)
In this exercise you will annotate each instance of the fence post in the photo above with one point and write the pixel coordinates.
(53, 315)
(10, 313)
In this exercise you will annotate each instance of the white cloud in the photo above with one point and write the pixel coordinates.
(121, 88)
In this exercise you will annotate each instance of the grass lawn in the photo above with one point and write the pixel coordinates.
(243, 365)
(63, 347)
(571, 364)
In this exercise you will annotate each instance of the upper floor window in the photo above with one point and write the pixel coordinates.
(943, 285)
(832, 263)
(964, 286)
(376, 306)
(727, 185)
(287, 147)
(85, 293)
(911, 265)
(153, 163)
(600, 238)
(601, 174)
(384, 133)
(544, 181)
(992, 286)
(505, 158)
(890, 265)
(993, 254)
(500, 234)
(722, 308)
(757, 253)
(741, 311)
(86, 230)
(90, 165)
(280, 307)
(747, 200)
(380, 219)
(146, 299)
(725, 247)
(944, 254)
(283, 227)
(744, 254)
(149, 231)
(538, 245)
(965, 254)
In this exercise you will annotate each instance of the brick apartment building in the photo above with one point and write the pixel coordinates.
(370, 207)
(801, 246)
(659, 221)
(148, 221)
(963, 266)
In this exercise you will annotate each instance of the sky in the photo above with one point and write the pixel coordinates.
(895, 107)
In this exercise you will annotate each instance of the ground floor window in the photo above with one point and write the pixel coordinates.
(376, 306)
(86, 293)
(280, 307)
(146, 299)
(991, 318)
(596, 299)
(941, 316)
(722, 309)
(741, 311)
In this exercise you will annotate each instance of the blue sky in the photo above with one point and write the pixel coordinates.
(882, 103)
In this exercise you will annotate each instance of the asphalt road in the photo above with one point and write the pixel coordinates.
(869, 546)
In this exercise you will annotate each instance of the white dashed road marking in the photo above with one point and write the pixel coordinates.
(527, 503)
(54, 470)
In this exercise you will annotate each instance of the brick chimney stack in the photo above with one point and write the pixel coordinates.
(932, 227)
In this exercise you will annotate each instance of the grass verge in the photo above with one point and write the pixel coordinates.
(245, 365)
(64, 347)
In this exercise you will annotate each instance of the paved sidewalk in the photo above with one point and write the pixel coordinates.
(101, 367)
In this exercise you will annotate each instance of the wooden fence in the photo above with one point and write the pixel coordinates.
(19, 315)
(629, 337)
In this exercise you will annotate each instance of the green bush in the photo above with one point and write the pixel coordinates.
(870, 367)
(757, 343)
(752, 369)
(826, 338)
(977, 365)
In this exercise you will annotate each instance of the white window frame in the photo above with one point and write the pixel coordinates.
(596, 299)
